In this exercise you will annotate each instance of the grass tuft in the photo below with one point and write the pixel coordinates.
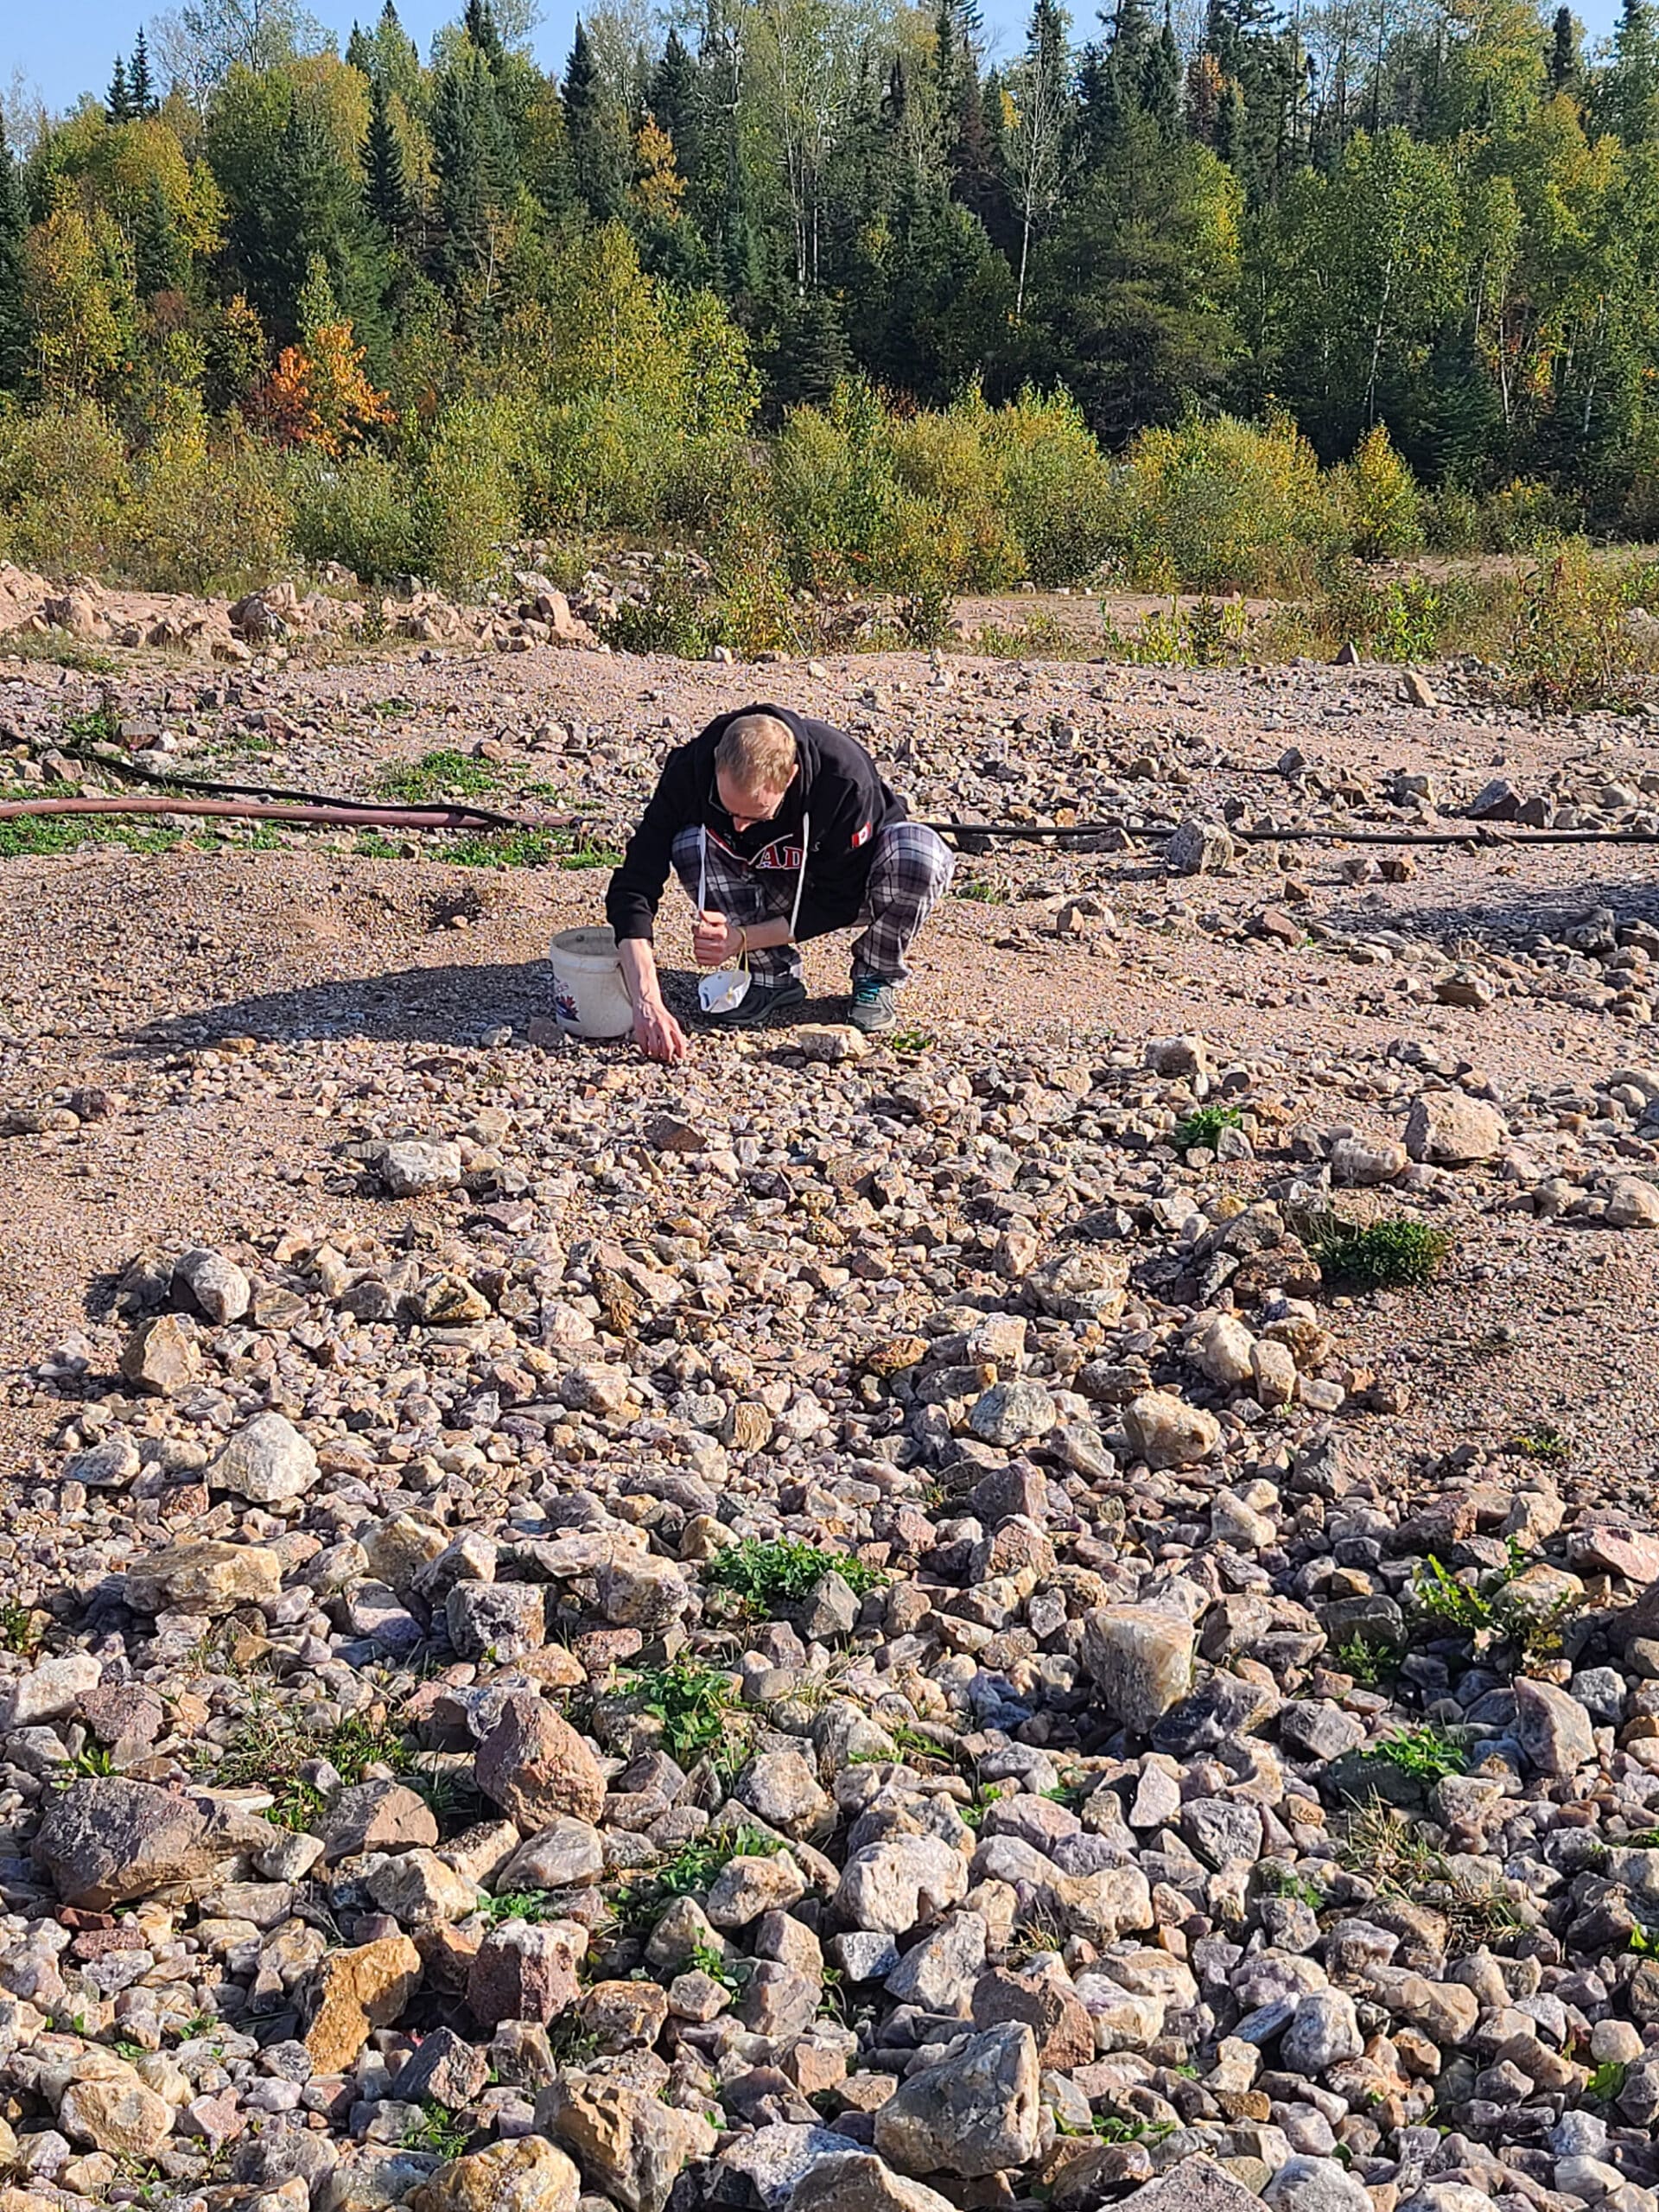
(438, 776)
(271, 1742)
(1397, 1254)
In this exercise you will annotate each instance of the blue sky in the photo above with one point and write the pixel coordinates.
(65, 50)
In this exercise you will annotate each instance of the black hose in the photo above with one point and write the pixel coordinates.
(1478, 833)
(120, 764)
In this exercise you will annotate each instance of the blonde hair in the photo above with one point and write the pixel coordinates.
(758, 752)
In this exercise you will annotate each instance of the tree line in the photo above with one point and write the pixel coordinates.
(1438, 218)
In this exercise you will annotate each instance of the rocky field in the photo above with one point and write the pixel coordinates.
(1063, 1610)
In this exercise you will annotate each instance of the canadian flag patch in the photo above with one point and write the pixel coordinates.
(861, 837)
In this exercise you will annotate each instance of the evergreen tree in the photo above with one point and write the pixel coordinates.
(140, 89)
(1161, 78)
(1132, 292)
(674, 98)
(1230, 142)
(14, 224)
(118, 101)
(601, 150)
(473, 157)
(307, 202)
(1563, 65)
(161, 258)
(385, 184)
(1629, 97)
(1252, 50)
(810, 354)
(480, 27)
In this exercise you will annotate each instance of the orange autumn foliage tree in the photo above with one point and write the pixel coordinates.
(319, 394)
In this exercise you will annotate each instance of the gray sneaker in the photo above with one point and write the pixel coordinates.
(875, 1005)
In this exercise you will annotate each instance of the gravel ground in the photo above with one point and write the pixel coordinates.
(840, 1629)
(339, 960)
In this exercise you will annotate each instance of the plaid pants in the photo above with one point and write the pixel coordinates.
(910, 872)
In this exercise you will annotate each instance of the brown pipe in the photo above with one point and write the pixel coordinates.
(385, 818)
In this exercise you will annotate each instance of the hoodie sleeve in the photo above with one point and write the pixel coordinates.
(636, 889)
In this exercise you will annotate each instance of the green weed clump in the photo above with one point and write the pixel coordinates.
(445, 774)
(444, 2134)
(1607, 2079)
(19, 1629)
(271, 1742)
(1367, 1661)
(1427, 1754)
(1203, 1127)
(1396, 1254)
(1387, 617)
(1387, 1849)
(1502, 1612)
(27, 836)
(689, 1872)
(1210, 633)
(518, 1904)
(699, 1707)
(784, 1572)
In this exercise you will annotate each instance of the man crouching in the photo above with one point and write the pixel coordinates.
(781, 829)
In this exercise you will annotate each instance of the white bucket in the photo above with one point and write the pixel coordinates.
(589, 997)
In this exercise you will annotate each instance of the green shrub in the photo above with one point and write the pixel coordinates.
(836, 496)
(467, 507)
(1395, 618)
(64, 482)
(754, 612)
(206, 515)
(949, 464)
(1451, 520)
(356, 508)
(1225, 506)
(1525, 514)
(1571, 646)
(673, 619)
(1384, 507)
(1209, 634)
(1059, 486)
(599, 464)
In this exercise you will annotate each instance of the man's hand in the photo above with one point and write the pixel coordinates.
(657, 1034)
(714, 940)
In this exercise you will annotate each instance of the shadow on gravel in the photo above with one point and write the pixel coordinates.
(432, 1006)
(1513, 906)
(421, 1005)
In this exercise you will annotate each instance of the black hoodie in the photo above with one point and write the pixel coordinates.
(835, 785)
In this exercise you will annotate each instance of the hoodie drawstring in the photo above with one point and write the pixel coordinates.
(800, 880)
